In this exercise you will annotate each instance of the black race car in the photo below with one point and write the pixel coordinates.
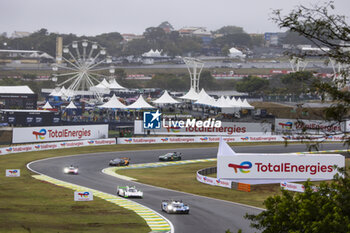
(124, 161)
(174, 156)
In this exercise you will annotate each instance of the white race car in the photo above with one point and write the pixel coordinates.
(127, 191)
(175, 207)
(71, 170)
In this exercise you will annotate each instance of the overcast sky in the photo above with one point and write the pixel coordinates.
(93, 17)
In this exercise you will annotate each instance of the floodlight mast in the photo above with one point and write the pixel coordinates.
(340, 74)
(298, 64)
(194, 67)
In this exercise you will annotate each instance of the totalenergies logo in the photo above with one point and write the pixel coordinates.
(40, 134)
(37, 146)
(9, 149)
(91, 142)
(128, 140)
(242, 167)
(13, 172)
(173, 129)
(245, 139)
(204, 139)
(288, 125)
(164, 139)
(85, 194)
(63, 144)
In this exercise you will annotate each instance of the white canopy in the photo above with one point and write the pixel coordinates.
(71, 105)
(246, 105)
(102, 87)
(103, 84)
(55, 93)
(205, 99)
(233, 52)
(166, 99)
(113, 103)
(190, 95)
(15, 90)
(47, 106)
(114, 85)
(139, 104)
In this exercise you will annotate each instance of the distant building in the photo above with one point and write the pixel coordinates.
(129, 37)
(273, 38)
(166, 26)
(200, 32)
(18, 34)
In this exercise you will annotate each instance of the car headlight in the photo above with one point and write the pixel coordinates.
(170, 207)
(65, 170)
(76, 170)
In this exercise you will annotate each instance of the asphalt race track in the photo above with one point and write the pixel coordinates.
(206, 214)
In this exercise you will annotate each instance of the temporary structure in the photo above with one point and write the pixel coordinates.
(113, 103)
(140, 103)
(47, 106)
(190, 95)
(71, 105)
(165, 99)
(113, 85)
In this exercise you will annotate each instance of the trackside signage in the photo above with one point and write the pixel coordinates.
(308, 126)
(83, 196)
(279, 166)
(59, 133)
(209, 127)
(214, 181)
(13, 172)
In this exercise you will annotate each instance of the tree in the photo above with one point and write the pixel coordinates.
(252, 84)
(325, 210)
(328, 209)
(230, 30)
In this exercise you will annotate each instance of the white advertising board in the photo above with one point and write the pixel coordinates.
(59, 133)
(292, 187)
(279, 166)
(13, 172)
(226, 129)
(83, 196)
(214, 181)
(311, 126)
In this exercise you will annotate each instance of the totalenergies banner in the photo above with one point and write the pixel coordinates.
(59, 133)
(56, 145)
(308, 126)
(279, 166)
(226, 129)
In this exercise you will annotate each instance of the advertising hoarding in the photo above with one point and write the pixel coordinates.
(83, 196)
(308, 126)
(13, 172)
(59, 133)
(226, 129)
(279, 166)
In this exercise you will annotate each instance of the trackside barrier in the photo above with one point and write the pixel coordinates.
(201, 177)
(243, 187)
(56, 145)
(208, 139)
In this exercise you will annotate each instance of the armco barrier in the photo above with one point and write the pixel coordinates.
(56, 145)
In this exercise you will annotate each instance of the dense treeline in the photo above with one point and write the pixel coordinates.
(171, 43)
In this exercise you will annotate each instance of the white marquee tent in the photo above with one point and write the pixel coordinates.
(190, 95)
(113, 103)
(140, 103)
(165, 99)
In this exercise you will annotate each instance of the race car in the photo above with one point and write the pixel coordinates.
(170, 156)
(123, 161)
(71, 170)
(128, 191)
(174, 207)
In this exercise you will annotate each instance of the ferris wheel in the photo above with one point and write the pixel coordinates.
(80, 69)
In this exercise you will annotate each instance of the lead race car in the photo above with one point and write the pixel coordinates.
(175, 207)
(174, 156)
(71, 170)
(127, 191)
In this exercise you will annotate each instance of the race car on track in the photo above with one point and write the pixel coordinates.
(123, 161)
(127, 191)
(170, 156)
(174, 207)
(71, 170)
